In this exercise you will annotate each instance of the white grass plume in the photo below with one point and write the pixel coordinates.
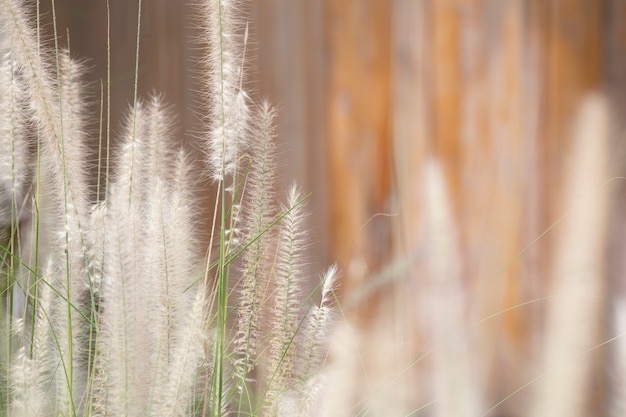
(14, 161)
(95, 242)
(149, 268)
(315, 338)
(316, 334)
(225, 135)
(574, 311)
(344, 377)
(15, 172)
(124, 370)
(174, 393)
(158, 123)
(33, 366)
(66, 224)
(257, 218)
(228, 115)
(73, 112)
(171, 272)
(286, 315)
(45, 100)
(455, 387)
(58, 118)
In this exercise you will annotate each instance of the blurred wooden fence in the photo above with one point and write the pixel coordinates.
(369, 90)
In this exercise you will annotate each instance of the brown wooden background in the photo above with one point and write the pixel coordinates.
(368, 90)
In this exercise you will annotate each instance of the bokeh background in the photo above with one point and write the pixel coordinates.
(368, 91)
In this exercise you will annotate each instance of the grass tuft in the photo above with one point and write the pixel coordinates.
(128, 317)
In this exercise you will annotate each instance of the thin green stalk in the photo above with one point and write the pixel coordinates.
(108, 127)
(222, 309)
(36, 205)
(132, 162)
(99, 158)
(135, 88)
(69, 367)
(222, 279)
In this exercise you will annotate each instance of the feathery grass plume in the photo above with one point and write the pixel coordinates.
(455, 388)
(25, 398)
(64, 176)
(174, 394)
(225, 135)
(158, 122)
(617, 373)
(45, 97)
(69, 170)
(95, 242)
(50, 95)
(573, 321)
(168, 228)
(14, 176)
(34, 364)
(286, 300)
(257, 219)
(123, 369)
(314, 340)
(97, 252)
(343, 384)
(70, 325)
(14, 165)
(225, 98)
(164, 296)
(150, 340)
(72, 144)
(317, 331)
(171, 270)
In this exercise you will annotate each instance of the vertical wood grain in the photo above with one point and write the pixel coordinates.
(358, 135)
